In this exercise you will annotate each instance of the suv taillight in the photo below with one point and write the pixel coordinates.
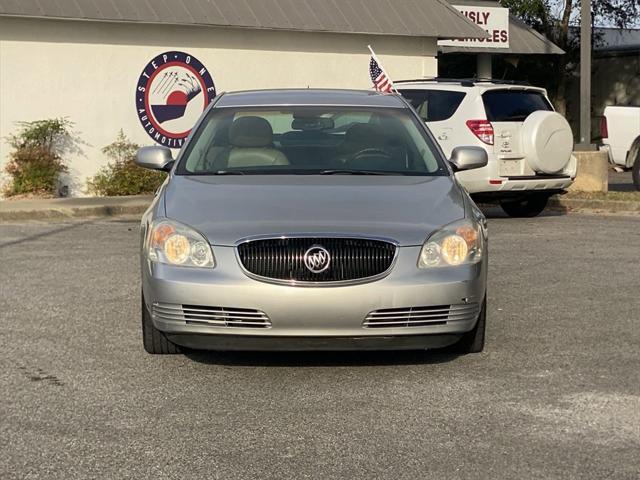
(604, 129)
(482, 129)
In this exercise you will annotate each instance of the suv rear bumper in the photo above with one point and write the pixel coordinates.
(518, 185)
(616, 157)
(488, 180)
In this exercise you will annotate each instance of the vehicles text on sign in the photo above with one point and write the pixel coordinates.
(495, 21)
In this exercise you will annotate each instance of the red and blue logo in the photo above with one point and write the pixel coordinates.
(173, 91)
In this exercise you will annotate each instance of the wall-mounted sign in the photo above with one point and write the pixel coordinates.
(495, 21)
(173, 91)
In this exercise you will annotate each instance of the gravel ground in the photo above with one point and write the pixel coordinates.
(555, 395)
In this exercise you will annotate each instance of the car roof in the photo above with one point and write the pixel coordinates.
(309, 96)
(464, 85)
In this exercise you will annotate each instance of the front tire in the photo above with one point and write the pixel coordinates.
(527, 207)
(635, 171)
(153, 340)
(473, 341)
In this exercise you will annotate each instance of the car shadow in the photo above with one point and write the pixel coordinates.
(321, 359)
(493, 211)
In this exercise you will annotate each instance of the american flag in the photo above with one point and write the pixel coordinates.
(381, 82)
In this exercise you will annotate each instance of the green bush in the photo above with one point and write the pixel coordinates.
(37, 161)
(122, 176)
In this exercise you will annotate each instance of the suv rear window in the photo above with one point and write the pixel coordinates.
(434, 105)
(513, 105)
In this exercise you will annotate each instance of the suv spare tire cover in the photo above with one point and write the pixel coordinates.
(547, 140)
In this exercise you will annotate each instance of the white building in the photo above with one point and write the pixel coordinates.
(92, 60)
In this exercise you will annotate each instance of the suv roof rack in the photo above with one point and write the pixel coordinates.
(465, 82)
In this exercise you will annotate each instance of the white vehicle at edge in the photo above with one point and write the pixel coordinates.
(620, 129)
(529, 145)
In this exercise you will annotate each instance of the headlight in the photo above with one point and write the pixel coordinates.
(456, 244)
(175, 244)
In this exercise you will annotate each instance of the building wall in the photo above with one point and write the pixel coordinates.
(87, 71)
(615, 80)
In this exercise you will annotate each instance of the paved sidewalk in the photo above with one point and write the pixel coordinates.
(58, 208)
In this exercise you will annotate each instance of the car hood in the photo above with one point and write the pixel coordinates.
(227, 209)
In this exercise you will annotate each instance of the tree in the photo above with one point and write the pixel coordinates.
(554, 19)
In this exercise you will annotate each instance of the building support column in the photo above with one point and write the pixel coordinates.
(484, 65)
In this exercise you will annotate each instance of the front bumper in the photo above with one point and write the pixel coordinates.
(298, 344)
(311, 318)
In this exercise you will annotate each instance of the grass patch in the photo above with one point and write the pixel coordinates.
(609, 196)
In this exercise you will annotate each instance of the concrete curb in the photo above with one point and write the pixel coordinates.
(594, 205)
(61, 209)
(78, 212)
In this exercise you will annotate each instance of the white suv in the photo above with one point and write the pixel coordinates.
(529, 145)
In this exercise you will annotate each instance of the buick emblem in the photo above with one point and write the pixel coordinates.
(317, 259)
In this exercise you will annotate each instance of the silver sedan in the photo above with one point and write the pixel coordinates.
(312, 220)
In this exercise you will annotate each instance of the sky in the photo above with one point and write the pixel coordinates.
(557, 6)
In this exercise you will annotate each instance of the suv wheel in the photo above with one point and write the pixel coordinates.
(154, 341)
(473, 341)
(529, 206)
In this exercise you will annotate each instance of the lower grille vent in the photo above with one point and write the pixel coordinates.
(421, 316)
(214, 316)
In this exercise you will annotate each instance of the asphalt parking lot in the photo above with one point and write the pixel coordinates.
(555, 395)
(621, 182)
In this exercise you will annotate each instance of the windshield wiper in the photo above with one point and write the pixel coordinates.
(356, 172)
(228, 172)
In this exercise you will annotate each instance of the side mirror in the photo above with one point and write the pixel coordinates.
(155, 158)
(468, 158)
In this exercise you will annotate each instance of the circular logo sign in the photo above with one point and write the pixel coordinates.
(317, 259)
(173, 91)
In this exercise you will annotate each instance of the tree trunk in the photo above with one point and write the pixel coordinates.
(563, 42)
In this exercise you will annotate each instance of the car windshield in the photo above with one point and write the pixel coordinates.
(312, 141)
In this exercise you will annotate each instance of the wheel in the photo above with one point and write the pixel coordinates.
(154, 341)
(473, 341)
(635, 171)
(529, 206)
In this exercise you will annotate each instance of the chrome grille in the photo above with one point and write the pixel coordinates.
(214, 316)
(282, 259)
(421, 316)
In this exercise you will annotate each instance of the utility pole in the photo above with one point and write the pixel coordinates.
(585, 76)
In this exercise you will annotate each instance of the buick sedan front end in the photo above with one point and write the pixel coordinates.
(312, 220)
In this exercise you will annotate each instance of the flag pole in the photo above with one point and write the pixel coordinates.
(373, 54)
